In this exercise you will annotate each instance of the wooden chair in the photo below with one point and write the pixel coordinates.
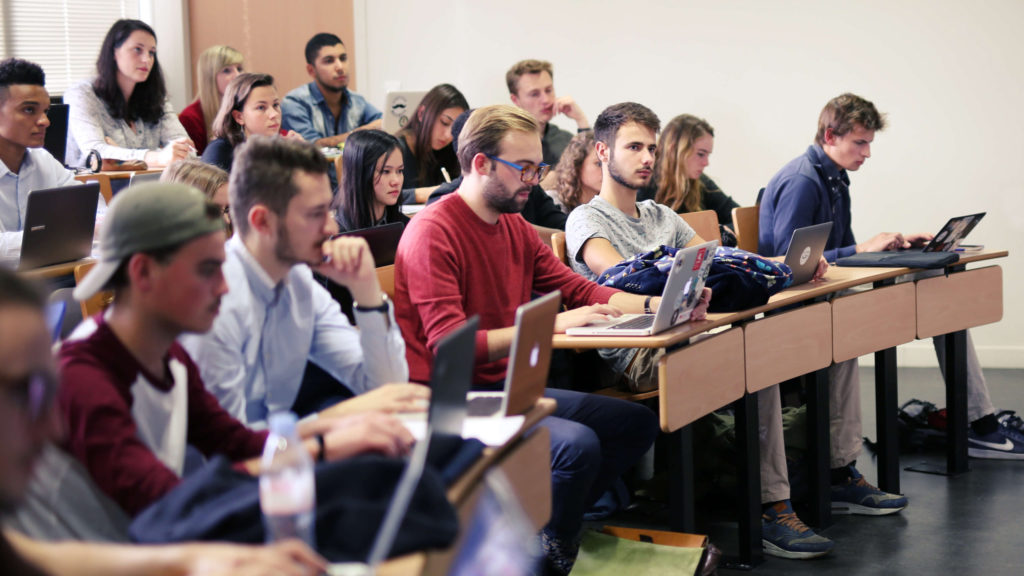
(744, 223)
(558, 246)
(338, 168)
(386, 277)
(704, 223)
(104, 181)
(98, 301)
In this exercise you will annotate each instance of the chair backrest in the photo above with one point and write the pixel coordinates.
(99, 301)
(338, 167)
(744, 223)
(558, 246)
(386, 277)
(705, 224)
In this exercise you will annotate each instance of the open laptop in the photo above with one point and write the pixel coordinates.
(682, 292)
(953, 233)
(143, 177)
(805, 250)
(399, 106)
(529, 361)
(59, 224)
(56, 139)
(451, 378)
(383, 241)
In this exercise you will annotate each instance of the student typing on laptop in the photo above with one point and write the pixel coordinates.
(473, 253)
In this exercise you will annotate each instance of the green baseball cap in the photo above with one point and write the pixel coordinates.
(148, 217)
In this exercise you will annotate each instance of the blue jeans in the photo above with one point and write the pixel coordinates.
(594, 440)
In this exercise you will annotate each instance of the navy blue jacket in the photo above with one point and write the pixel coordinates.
(809, 190)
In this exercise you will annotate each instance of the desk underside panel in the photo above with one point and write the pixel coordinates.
(959, 301)
(874, 320)
(700, 378)
(788, 345)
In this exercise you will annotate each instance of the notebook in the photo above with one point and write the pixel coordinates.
(682, 292)
(59, 225)
(805, 250)
(399, 106)
(953, 233)
(529, 361)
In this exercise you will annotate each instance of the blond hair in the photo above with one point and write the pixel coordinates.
(204, 177)
(526, 67)
(210, 62)
(486, 127)
(675, 189)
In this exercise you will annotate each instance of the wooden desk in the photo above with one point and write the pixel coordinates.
(54, 271)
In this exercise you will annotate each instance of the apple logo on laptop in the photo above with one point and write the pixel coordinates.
(534, 355)
(805, 255)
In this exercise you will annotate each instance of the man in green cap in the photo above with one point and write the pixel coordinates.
(130, 396)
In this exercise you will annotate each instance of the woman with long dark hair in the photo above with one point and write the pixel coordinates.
(123, 113)
(427, 142)
(371, 182)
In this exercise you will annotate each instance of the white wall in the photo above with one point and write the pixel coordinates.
(948, 73)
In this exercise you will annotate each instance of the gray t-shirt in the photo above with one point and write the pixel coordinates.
(658, 224)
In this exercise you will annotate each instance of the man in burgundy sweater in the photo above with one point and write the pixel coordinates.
(472, 253)
(130, 396)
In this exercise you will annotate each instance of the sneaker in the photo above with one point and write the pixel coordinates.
(1006, 443)
(785, 536)
(857, 496)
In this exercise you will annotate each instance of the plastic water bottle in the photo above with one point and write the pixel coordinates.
(287, 485)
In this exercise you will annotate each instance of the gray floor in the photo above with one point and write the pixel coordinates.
(965, 525)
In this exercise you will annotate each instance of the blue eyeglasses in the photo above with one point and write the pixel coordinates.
(526, 173)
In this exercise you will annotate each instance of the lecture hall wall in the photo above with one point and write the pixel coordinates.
(947, 73)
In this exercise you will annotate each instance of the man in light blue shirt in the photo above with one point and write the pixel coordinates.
(24, 165)
(325, 111)
(275, 318)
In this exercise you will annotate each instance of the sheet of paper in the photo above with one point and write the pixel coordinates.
(492, 431)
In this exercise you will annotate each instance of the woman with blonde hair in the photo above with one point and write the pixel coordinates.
(684, 150)
(207, 178)
(217, 66)
(578, 174)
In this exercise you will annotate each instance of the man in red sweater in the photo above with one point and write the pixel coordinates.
(472, 253)
(130, 396)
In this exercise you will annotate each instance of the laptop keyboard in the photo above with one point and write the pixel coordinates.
(639, 322)
(484, 405)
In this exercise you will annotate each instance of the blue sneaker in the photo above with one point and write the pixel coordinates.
(1006, 443)
(785, 536)
(856, 496)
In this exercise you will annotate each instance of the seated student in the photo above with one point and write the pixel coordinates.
(372, 182)
(276, 317)
(426, 142)
(124, 113)
(325, 111)
(250, 106)
(540, 209)
(24, 164)
(130, 397)
(614, 225)
(208, 179)
(531, 87)
(472, 253)
(815, 188)
(679, 180)
(217, 66)
(578, 174)
(29, 421)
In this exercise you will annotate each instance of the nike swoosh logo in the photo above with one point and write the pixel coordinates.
(1004, 445)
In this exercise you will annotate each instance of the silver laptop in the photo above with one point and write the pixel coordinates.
(529, 361)
(681, 295)
(143, 177)
(59, 224)
(399, 106)
(805, 250)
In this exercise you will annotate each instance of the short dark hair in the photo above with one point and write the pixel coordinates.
(236, 94)
(457, 128)
(18, 291)
(363, 149)
(17, 71)
(147, 100)
(319, 41)
(607, 125)
(844, 112)
(262, 174)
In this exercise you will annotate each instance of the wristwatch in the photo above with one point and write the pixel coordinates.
(383, 308)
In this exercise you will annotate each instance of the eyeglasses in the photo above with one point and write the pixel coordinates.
(526, 173)
(33, 393)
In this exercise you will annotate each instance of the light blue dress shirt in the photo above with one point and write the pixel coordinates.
(39, 171)
(254, 357)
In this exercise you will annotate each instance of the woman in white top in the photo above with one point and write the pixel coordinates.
(123, 113)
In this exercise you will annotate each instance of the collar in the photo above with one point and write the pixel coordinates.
(25, 163)
(260, 283)
(318, 96)
(831, 171)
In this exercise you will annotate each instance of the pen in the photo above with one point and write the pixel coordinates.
(444, 173)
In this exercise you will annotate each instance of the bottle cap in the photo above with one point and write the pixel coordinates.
(282, 423)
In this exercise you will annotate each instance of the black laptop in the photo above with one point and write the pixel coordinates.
(59, 224)
(56, 140)
(383, 241)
